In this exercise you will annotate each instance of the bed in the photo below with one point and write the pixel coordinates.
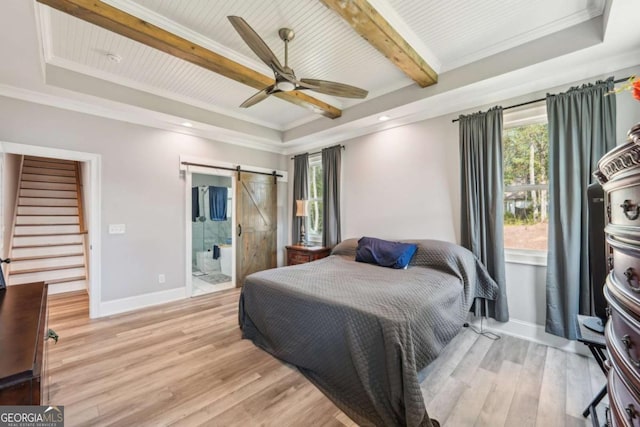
(361, 332)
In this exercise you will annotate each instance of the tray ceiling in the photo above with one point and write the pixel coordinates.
(448, 34)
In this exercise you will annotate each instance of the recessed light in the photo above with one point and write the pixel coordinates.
(383, 118)
(187, 124)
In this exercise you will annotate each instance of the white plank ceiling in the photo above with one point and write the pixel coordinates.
(457, 32)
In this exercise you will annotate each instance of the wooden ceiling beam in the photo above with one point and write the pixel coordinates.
(124, 24)
(372, 26)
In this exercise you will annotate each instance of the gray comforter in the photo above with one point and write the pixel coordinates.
(361, 332)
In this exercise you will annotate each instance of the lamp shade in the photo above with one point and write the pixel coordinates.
(301, 207)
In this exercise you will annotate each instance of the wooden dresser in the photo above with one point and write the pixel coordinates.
(619, 174)
(23, 329)
(301, 254)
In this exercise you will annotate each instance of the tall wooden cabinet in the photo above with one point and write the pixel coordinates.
(23, 329)
(619, 174)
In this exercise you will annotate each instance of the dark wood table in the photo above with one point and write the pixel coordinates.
(595, 342)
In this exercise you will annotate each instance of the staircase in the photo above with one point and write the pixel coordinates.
(48, 241)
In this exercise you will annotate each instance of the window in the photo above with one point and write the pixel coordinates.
(526, 185)
(314, 220)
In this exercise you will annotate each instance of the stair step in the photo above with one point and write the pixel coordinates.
(49, 194)
(48, 172)
(50, 268)
(68, 279)
(44, 245)
(67, 285)
(47, 159)
(49, 165)
(45, 224)
(45, 264)
(41, 201)
(45, 219)
(48, 276)
(45, 230)
(48, 250)
(15, 259)
(47, 210)
(56, 239)
(35, 185)
(26, 177)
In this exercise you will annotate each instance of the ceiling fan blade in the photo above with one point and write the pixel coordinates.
(257, 45)
(333, 88)
(260, 96)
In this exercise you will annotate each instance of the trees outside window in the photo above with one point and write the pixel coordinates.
(526, 186)
(314, 218)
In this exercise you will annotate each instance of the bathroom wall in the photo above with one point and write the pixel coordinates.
(215, 232)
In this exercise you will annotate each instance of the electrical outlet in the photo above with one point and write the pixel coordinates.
(161, 278)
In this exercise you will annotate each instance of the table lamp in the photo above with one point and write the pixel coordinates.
(301, 212)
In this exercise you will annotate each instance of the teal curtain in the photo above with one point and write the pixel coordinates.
(331, 164)
(582, 128)
(300, 192)
(482, 219)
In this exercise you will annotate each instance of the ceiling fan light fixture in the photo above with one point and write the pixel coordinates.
(285, 86)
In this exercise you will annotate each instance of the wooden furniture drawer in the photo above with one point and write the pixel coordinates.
(625, 409)
(23, 329)
(626, 270)
(304, 254)
(298, 258)
(623, 340)
(625, 205)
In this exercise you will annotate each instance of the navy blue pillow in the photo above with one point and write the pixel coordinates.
(384, 253)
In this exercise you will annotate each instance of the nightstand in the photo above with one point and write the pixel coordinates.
(302, 254)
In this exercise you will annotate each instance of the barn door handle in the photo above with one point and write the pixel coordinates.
(239, 230)
(627, 207)
(51, 334)
(630, 275)
(626, 340)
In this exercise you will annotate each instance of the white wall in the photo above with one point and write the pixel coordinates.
(10, 177)
(142, 188)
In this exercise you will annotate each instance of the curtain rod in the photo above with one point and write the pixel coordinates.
(319, 152)
(541, 99)
(236, 169)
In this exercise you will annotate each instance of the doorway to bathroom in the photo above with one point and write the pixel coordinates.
(212, 217)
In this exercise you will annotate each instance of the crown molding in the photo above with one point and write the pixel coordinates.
(539, 32)
(123, 81)
(127, 113)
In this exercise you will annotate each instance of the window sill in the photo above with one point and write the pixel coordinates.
(525, 256)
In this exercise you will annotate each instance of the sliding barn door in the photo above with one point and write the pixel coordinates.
(256, 224)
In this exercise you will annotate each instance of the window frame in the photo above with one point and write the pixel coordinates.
(532, 114)
(315, 160)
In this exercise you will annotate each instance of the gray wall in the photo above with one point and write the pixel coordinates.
(142, 187)
(404, 183)
(10, 177)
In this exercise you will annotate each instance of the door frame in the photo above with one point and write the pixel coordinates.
(210, 169)
(189, 171)
(94, 239)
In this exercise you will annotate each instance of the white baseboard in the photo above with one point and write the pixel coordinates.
(533, 332)
(107, 308)
(60, 288)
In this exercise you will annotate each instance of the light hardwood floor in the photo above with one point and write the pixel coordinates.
(184, 363)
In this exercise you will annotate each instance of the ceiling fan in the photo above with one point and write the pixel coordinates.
(286, 80)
